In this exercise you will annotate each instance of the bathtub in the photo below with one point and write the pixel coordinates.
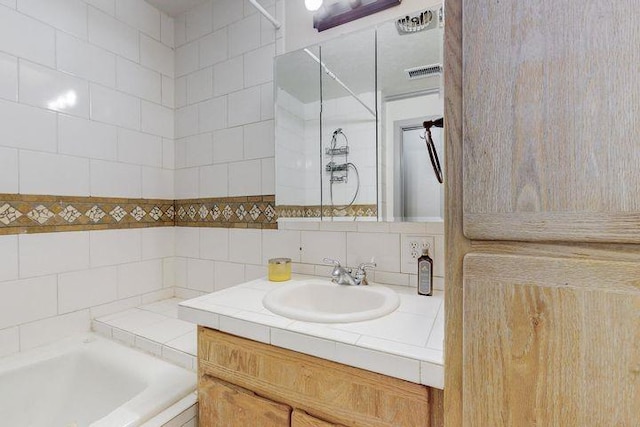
(87, 381)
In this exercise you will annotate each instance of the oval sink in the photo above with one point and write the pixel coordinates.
(322, 301)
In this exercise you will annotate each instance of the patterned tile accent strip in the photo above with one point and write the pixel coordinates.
(43, 214)
(228, 212)
(313, 211)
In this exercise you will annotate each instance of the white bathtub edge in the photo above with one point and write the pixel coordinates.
(173, 411)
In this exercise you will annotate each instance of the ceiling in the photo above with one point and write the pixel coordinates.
(174, 7)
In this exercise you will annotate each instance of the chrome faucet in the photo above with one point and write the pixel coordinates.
(345, 276)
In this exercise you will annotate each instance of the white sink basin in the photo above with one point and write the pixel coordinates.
(322, 301)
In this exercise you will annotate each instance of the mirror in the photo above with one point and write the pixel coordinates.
(349, 135)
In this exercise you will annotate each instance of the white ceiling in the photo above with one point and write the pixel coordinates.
(175, 7)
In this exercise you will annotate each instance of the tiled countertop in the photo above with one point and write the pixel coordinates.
(405, 344)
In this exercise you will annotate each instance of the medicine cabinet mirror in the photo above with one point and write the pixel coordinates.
(349, 134)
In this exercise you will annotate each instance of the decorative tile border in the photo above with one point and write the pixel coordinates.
(228, 212)
(42, 214)
(20, 214)
(314, 211)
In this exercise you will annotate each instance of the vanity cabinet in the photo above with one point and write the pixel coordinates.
(263, 382)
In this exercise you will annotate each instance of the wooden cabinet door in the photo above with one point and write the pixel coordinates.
(302, 419)
(550, 342)
(225, 405)
(551, 122)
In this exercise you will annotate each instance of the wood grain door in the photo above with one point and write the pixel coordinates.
(551, 342)
(543, 172)
(551, 121)
(224, 405)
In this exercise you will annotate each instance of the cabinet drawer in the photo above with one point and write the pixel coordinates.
(223, 404)
(334, 392)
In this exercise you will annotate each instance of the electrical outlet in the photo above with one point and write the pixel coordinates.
(412, 246)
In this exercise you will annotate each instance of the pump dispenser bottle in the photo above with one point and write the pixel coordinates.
(425, 273)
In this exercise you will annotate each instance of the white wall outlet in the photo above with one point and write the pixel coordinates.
(412, 245)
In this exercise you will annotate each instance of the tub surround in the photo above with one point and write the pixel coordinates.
(405, 344)
(155, 329)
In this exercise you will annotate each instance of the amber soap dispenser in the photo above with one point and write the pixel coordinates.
(425, 273)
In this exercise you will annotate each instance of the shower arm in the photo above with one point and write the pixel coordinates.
(334, 77)
(266, 14)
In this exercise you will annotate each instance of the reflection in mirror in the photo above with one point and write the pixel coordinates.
(349, 130)
(410, 81)
(349, 137)
(298, 132)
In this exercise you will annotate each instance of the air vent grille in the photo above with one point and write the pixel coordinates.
(423, 71)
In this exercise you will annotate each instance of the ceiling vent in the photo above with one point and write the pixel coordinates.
(423, 71)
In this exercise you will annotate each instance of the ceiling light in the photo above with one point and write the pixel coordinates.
(313, 5)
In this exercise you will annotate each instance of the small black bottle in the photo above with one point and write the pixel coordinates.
(425, 273)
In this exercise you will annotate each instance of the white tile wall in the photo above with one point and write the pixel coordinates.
(139, 278)
(140, 15)
(234, 43)
(26, 127)
(114, 179)
(43, 173)
(138, 81)
(114, 35)
(46, 88)
(213, 48)
(87, 288)
(114, 137)
(8, 170)
(26, 37)
(227, 274)
(52, 329)
(111, 247)
(200, 275)
(245, 178)
(85, 60)
(27, 300)
(42, 254)
(67, 15)
(139, 148)
(8, 77)
(228, 76)
(113, 107)
(156, 56)
(245, 246)
(8, 258)
(85, 138)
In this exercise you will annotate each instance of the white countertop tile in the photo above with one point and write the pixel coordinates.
(405, 344)
(244, 328)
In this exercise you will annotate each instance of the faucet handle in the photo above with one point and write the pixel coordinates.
(366, 265)
(361, 273)
(331, 261)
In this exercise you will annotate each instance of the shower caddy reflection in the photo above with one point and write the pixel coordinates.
(339, 172)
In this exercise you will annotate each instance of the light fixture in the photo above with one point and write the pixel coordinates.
(312, 5)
